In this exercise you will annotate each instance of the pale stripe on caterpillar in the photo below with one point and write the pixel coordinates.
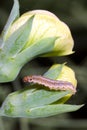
(50, 83)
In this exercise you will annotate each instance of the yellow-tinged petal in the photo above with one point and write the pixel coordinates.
(46, 24)
(67, 74)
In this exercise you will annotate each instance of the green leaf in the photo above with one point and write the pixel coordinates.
(50, 110)
(36, 49)
(31, 98)
(54, 71)
(37, 101)
(10, 66)
(13, 16)
(18, 39)
(32, 105)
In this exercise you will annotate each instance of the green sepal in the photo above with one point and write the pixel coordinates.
(15, 43)
(13, 16)
(50, 110)
(10, 66)
(37, 101)
(17, 103)
(38, 48)
(54, 71)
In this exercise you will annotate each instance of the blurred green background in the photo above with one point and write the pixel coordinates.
(74, 14)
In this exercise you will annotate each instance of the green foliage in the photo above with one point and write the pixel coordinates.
(19, 47)
(36, 101)
(13, 16)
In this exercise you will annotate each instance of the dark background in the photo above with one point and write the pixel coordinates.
(74, 14)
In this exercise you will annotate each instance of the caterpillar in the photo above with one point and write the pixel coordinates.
(50, 83)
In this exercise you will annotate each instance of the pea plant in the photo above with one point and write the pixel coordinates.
(37, 33)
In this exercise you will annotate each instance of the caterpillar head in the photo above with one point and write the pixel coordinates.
(28, 79)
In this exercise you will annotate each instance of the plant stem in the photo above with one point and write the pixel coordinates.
(24, 124)
(1, 124)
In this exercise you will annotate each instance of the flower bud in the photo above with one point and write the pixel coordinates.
(63, 73)
(45, 25)
(67, 74)
(35, 33)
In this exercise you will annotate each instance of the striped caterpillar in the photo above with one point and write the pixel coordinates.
(52, 84)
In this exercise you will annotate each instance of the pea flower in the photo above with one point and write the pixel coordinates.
(35, 33)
